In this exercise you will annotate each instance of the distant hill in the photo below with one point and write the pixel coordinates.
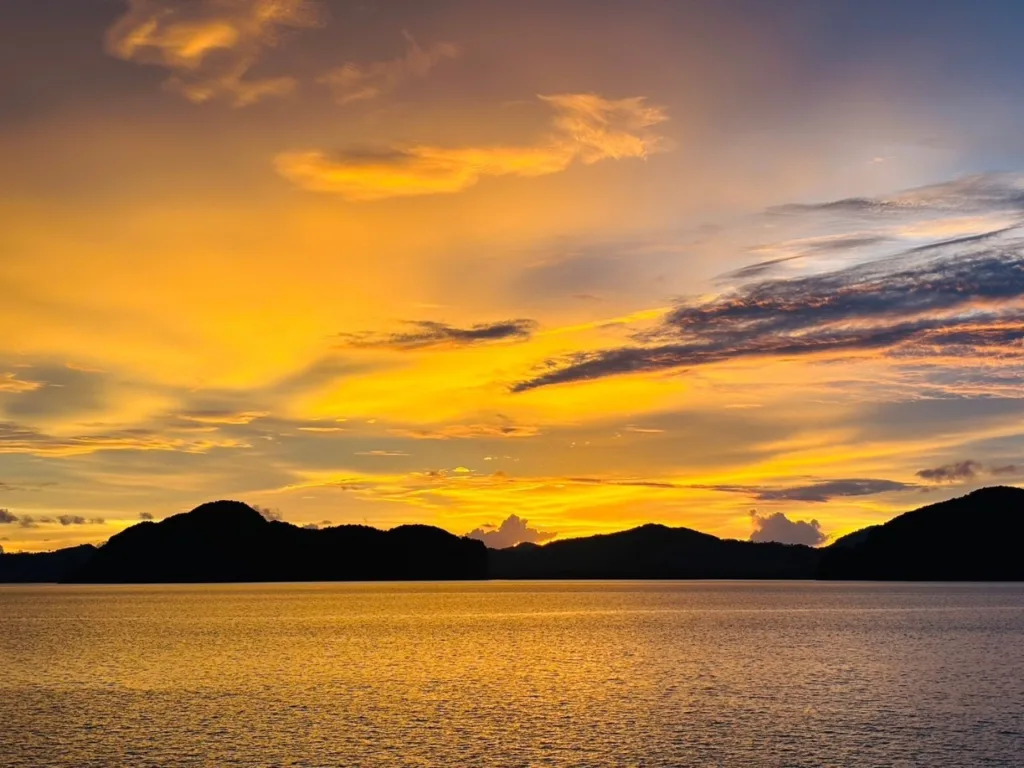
(43, 567)
(654, 552)
(977, 537)
(230, 541)
(972, 538)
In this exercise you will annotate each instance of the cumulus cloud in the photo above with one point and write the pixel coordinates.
(777, 527)
(430, 334)
(943, 301)
(513, 530)
(7, 517)
(268, 514)
(360, 82)
(210, 46)
(585, 127)
(145, 515)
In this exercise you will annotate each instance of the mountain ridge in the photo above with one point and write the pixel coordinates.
(971, 537)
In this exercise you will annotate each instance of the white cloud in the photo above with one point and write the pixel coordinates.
(514, 530)
(778, 527)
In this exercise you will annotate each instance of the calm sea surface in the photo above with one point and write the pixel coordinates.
(513, 674)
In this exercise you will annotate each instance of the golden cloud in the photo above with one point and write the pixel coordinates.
(209, 45)
(586, 127)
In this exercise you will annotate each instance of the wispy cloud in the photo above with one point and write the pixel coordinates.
(961, 299)
(585, 127)
(482, 431)
(381, 453)
(16, 438)
(822, 491)
(430, 334)
(215, 417)
(965, 471)
(210, 46)
(360, 82)
(10, 383)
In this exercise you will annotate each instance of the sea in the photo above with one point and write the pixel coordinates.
(632, 673)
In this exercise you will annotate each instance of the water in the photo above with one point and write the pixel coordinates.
(513, 674)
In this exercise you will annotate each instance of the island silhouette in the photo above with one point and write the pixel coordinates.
(971, 538)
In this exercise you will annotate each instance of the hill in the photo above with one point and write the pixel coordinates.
(654, 552)
(976, 537)
(43, 567)
(229, 541)
(972, 538)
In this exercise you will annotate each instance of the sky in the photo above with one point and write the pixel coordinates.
(528, 270)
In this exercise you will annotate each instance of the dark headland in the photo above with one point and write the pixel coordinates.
(972, 538)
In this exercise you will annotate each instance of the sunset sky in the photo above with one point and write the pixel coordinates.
(592, 264)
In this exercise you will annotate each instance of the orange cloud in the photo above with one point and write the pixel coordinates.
(9, 382)
(360, 82)
(210, 45)
(586, 127)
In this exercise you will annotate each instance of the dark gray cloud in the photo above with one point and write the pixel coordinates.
(951, 473)
(963, 471)
(31, 521)
(513, 530)
(824, 491)
(427, 333)
(958, 301)
(778, 527)
(79, 520)
(816, 492)
(145, 515)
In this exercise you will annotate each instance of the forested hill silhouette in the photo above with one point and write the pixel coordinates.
(230, 541)
(972, 538)
(43, 567)
(654, 552)
(977, 537)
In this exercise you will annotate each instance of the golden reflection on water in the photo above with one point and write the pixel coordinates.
(513, 674)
